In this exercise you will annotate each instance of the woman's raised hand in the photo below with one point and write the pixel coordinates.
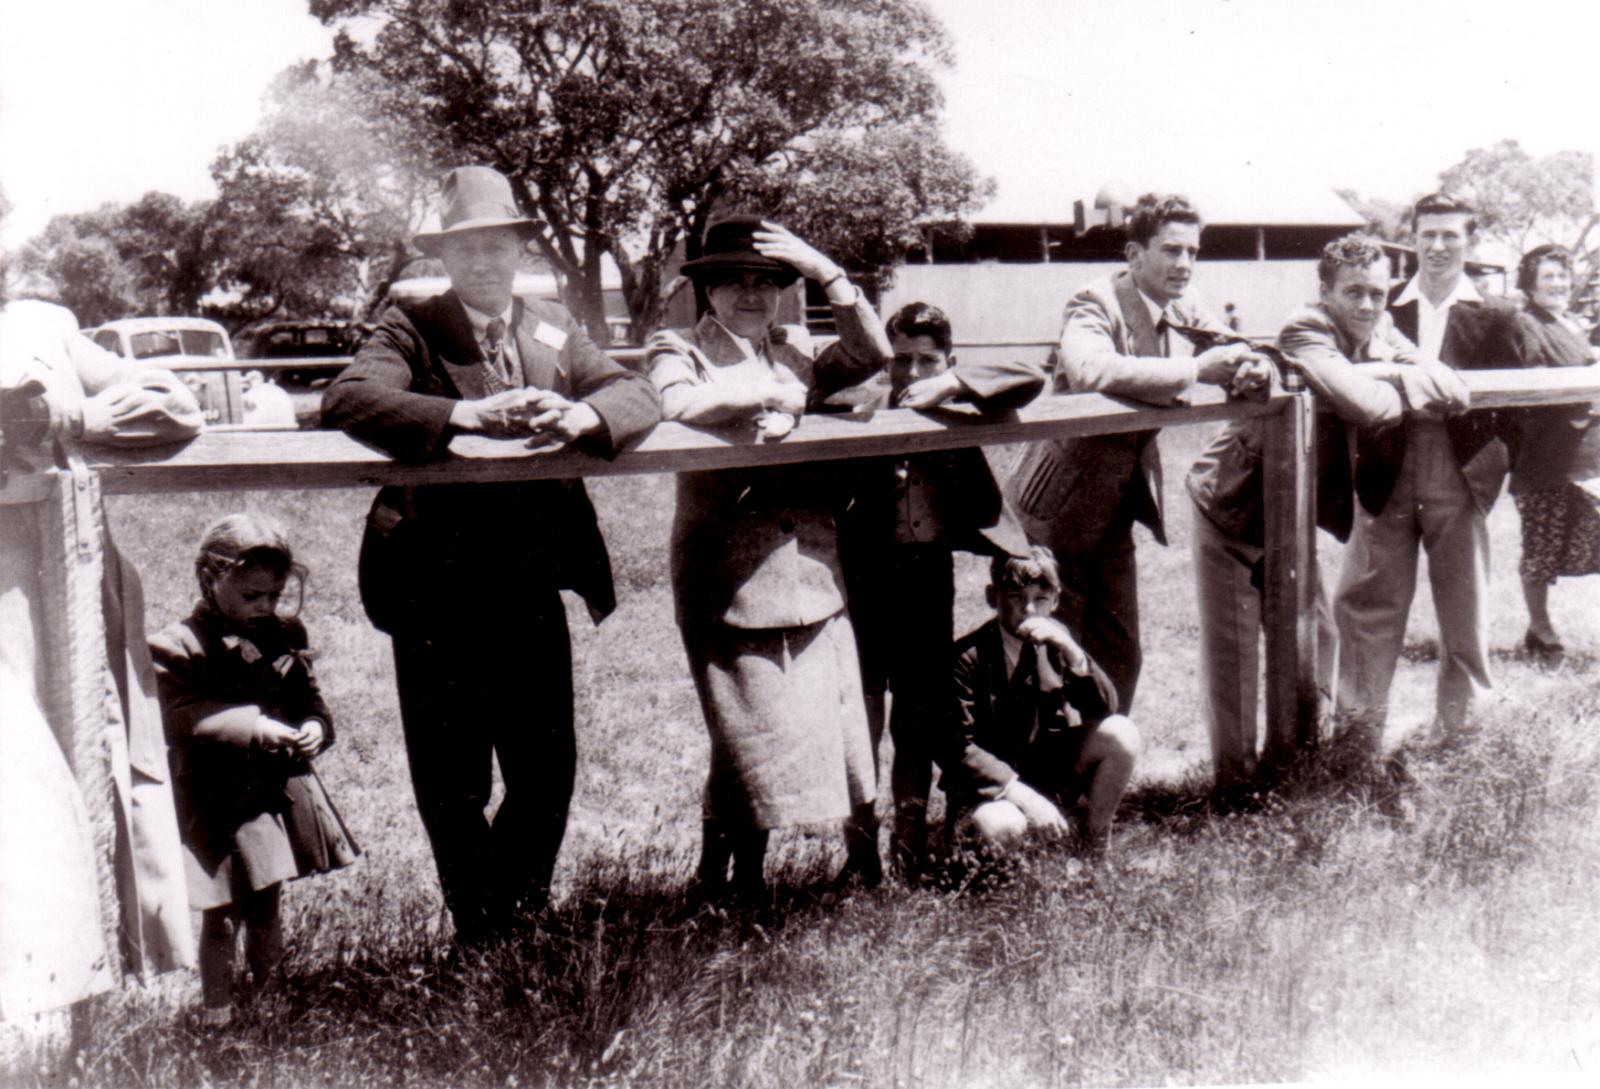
(776, 241)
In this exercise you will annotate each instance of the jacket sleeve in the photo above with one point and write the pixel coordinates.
(374, 397)
(1090, 362)
(309, 697)
(861, 350)
(1091, 693)
(966, 765)
(1000, 386)
(625, 400)
(181, 667)
(1309, 342)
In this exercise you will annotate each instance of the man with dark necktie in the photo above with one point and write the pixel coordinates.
(466, 577)
(1124, 336)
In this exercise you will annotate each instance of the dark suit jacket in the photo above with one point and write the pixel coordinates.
(445, 553)
(990, 735)
(977, 518)
(1478, 336)
(1559, 443)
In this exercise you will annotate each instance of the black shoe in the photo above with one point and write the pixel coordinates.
(1548, 653)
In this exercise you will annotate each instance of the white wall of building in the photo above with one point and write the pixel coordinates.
(1006, 302)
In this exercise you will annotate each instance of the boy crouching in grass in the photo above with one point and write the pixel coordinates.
(1034, 727)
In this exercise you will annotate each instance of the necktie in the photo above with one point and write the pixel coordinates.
(494, 342)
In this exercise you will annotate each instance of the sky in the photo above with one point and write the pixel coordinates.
(1236, 100)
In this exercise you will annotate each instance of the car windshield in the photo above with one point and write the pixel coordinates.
(161, 342)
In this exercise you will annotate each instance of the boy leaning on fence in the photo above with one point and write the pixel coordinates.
(905, 518)
(1033, 729)
(1368, 376)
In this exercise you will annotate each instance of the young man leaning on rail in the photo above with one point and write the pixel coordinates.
(1124, 336)
(1360, 367)
(1429, 483)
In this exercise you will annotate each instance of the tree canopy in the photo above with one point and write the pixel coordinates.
(159, 255)
(320, 202)
(1523, 201)
(626, 124)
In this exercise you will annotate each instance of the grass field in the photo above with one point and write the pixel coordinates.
(1339, 931)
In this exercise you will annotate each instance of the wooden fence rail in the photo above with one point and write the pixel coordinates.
(236, 458)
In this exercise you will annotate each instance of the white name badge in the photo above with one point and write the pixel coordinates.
(549, 334)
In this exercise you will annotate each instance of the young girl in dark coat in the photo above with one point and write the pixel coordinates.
(244, 718)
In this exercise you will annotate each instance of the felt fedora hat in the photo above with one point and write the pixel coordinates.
(730, 247)
(470, 199)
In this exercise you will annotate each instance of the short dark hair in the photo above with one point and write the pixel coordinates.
(1352, 251)
(1528, 267)
(1037, 568)
(1155, 209)
(1443, 204)
(918, 319)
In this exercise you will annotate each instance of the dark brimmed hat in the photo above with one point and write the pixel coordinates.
(730, 248)
(472, 198)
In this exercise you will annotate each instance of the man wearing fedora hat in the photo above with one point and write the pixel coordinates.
(466, 578)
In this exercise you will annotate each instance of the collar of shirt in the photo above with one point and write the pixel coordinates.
(752, 349)
(1157, 311)
(1431, 320)
(480, 321)
(1464, 291)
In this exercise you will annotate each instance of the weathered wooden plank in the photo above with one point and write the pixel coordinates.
(321, 459)
(1533, 386)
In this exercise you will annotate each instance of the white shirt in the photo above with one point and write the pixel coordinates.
(1431, 320)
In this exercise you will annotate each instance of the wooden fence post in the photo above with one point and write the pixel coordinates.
(1289, 593)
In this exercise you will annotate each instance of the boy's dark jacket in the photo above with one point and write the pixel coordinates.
(976, 516)
(991, 735)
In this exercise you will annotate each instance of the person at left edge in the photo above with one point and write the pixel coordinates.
(465, 578)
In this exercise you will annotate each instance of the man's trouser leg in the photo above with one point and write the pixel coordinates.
(448, 747)
(1371, 606)
(461, 701)
(1456, 536)
(918, 651)
(1100, 606)
(538, 758)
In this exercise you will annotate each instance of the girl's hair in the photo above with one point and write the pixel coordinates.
(242, 540)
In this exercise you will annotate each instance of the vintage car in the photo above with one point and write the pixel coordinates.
(300, 353)
(196, 349)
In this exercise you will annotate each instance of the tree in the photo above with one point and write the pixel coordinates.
(1523, 201)
(624, 124)
(158, 255)
(864, 199)
(320, 202)
(1385, 219)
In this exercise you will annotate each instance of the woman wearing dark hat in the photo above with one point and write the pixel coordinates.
(755, 567)
(1559, 449)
